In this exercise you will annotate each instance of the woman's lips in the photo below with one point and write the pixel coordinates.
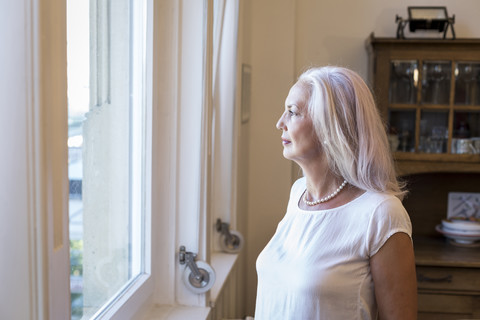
(285, 141)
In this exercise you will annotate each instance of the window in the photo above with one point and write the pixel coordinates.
(126, 139)
(107, 143)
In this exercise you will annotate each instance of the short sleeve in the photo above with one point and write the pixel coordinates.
(388, 218)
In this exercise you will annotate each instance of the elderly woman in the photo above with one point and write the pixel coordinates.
(344, 248)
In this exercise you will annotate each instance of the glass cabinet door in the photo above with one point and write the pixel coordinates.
(466, 132)
(428, 94)
(403, 81)
(467, 83)
(433, 131)
(402, 126)
(434, 108)
(436, 77)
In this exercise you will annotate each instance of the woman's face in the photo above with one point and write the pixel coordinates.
(298, 137)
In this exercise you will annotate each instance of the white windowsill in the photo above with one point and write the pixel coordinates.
(223, 264)
(178, 313)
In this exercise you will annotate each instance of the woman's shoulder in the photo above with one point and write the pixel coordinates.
(298, 186)
(379, 203)
(300, 182)
(378, 198)
(385, 205)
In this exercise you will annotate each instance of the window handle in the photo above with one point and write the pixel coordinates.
(198, 275)
(231, 241)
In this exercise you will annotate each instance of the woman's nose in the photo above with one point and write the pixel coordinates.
(280, 124)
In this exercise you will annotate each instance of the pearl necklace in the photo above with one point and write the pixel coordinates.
(325, 199)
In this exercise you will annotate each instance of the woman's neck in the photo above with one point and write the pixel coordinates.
(320, 180)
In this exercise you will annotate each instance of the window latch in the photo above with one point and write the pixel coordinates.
(198, 275)
(231, 241)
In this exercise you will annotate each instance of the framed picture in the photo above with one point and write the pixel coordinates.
(463, 205)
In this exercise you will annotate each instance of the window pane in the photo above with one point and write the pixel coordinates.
(467, 83)
(106, 146)
(403, 81)
(402, 124)
(433, 131)
(436, 82)
(466, 132)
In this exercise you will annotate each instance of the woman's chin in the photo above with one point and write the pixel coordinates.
(287, 155)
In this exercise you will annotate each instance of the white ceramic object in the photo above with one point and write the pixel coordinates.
(464, 226)
(458, 237)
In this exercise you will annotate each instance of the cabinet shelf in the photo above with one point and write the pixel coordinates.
(398, 106)
(475, 158)
(424, 163)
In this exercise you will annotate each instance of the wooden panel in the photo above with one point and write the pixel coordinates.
(443, 316)
(437, 252)
(427, 200)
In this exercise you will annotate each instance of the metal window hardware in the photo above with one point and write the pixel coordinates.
(198, 276)
(230, 241)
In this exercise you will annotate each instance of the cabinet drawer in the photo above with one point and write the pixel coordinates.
(446, 306)
(446, 278)
(445, 303)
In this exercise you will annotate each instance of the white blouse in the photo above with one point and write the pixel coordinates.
(317, 265)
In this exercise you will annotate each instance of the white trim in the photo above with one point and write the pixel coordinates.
(148, 121)
(132, 301)
(166, 28)
(51, 152)
(36, 211)
(178, 313)
(34, 175)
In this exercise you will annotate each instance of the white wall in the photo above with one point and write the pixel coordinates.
(270, 37)
(334, 31)
(279, 40)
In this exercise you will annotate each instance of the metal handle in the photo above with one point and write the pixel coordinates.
(423, 278)
(230, 241)
(189, 259)
(224, 228)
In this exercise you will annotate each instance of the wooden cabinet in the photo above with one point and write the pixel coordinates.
(448, 280)
(428, 92)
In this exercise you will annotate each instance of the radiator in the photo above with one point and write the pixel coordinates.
(229, 302)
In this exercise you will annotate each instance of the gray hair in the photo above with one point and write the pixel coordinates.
(350, 129)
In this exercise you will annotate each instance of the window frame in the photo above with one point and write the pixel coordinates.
(46, 130)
